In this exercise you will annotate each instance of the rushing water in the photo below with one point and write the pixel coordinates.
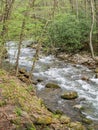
(68, 76)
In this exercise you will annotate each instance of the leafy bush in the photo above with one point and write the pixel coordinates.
(67, 32)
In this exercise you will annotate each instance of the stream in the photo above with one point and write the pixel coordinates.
(66, 75)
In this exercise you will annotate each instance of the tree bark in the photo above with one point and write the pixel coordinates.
(77, 9)
(19, 47)
(92, 26)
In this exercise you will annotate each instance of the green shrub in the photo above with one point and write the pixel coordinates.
(67, 32)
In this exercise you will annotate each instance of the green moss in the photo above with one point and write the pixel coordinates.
(18, 111)
(2, 103)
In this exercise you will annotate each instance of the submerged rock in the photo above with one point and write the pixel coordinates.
(69, 95)
(52, 85)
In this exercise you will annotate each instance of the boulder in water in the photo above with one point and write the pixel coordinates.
(69, 95)
(39, 80)
(96, 76)
(87, 121)
(85, 78)
(96, 70)
(52, 85)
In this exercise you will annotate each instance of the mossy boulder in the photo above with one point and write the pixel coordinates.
(65, 119)
(96, 70)
(76, 126)
(52, 85)
(69, 95)
(87, 121)
(43, 120)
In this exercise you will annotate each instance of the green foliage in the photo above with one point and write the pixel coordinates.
(67, 32)
(18, 111)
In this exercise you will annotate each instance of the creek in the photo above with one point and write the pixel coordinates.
(67, 75)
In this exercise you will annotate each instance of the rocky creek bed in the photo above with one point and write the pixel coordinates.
(69, 76)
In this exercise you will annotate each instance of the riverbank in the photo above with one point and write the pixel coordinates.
(21, 109)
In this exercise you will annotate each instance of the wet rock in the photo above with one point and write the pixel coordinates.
(96, 70)
(39, 80)
(76, 126)
(34, 82)
(64, 119)
(87, 121)
(85, 78)
(29, 43)
(22, 70)
(52, 85)
(79, 107)
(62, 56)
(58, 112)
(5, 53)
(96, 76)
(69, 95)
(45, 120)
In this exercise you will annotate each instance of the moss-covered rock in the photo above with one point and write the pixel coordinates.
(43, 120)
(52, 85)
(69, 95)
(76, 126)
(64, 119)
(96, 70)
(87, 121)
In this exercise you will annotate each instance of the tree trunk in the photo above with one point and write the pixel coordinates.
(37, 51)
(77, 9)
(92, 26)
(19, 47)
(96, 11)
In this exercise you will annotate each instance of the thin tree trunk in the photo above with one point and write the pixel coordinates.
(37, 52)
(72, 6)
(5, 17)
(21, 35)
(77, 9)
(19, 47)
(92, 27)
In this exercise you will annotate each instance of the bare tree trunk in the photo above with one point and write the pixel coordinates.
(77, 9)
(5, 17)
(37, 52)
(19, 47)
(55, 4)
(96, 12)
(72, 6)
(92, 26)
(86, 8)
(21, 34)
